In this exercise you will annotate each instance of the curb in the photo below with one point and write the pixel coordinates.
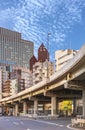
(72, 128)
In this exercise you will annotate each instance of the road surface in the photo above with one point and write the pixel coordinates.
(22, 123)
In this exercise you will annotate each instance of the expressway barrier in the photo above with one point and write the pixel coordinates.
(78, 122)
(35, 116)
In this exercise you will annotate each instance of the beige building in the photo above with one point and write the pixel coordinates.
(4, 82)
(26, 75)
(42, 71)
(62, 57)
(6, 89)
(14, 81)
(13, 49)
(13, 87)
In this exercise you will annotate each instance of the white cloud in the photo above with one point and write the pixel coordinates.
(35, 18)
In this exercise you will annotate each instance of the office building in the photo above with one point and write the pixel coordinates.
(24, 76)
(33, 60)
(13, 87)
(42, 71)
(14, 49)
(43, 53)
(62, 57)
(4, 82)
(41, 68)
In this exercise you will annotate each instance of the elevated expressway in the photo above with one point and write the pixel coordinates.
(67, 83)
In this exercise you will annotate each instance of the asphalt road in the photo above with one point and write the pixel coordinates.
(20, 123)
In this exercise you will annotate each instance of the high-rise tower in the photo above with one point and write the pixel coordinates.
(43, 53)
(14, 49)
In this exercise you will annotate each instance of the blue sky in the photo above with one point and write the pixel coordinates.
(64, 19)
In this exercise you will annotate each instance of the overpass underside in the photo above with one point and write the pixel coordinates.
(46, 103)
(66, 84)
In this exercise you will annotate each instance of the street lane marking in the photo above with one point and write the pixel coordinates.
(28, 129)
(60, 125)
(68, 126)
(50, 123)
(15, 123)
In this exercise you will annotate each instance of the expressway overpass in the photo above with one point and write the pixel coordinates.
(67, 83)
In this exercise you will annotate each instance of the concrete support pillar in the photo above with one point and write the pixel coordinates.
(25, 108)
(2, 109)
(35, 106)
(56, 106)
(13, 111)
(83, 98)
(44, 107)
(53, 105)
(74, 107)
(16, 109)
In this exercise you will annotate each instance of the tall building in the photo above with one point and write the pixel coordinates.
(43, 53)
(13, 87)
(41, 68)
(33, 60)
(14, 49)
(42, 71)
(62, 57)
(4, 82)
(6, 89)
(25, 75)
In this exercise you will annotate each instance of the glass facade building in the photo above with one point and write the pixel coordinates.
(14, 49)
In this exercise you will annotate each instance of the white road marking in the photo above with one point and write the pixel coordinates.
(68, 126)
(28, 129)
(46, 122)
(50, 123)
(15, 123)
(61, 125)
